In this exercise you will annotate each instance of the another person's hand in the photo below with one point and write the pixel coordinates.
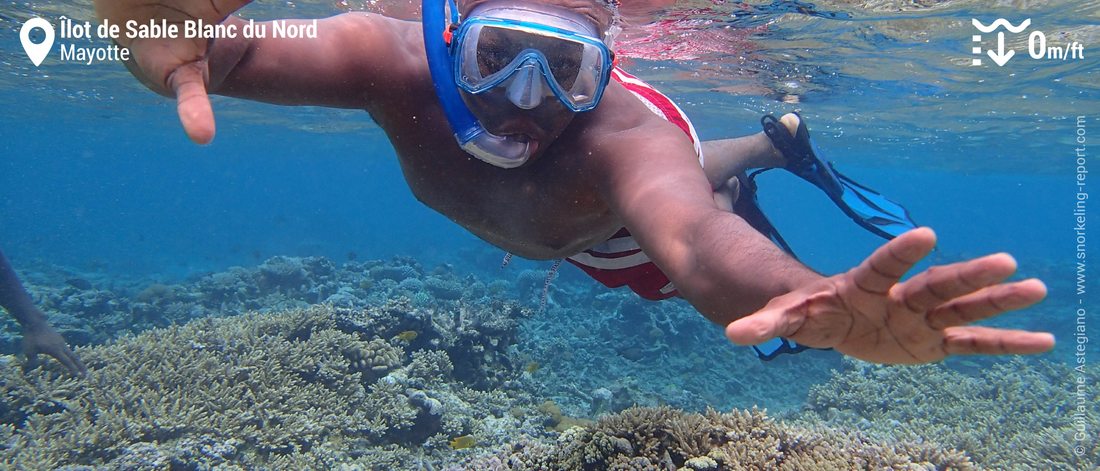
(172, 67)
(869, 314)
(43, 339)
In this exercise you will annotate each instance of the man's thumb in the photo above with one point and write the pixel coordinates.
(757, 327)
(192, 102)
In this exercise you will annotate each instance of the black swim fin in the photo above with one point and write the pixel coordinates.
(767, 351)
(865, 206)
(748, 208)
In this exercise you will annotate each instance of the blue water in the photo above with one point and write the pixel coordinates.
(137, 197)
(98, 178)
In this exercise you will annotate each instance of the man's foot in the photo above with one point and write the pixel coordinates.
(797, 150)
(790, 121)
(726, 195)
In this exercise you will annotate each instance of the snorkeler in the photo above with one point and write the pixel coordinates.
(38, 336)
(520, 128)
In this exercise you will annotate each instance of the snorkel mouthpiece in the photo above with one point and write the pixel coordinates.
(501, 151)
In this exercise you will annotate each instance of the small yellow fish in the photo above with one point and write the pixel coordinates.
(407, 336)
(465, 441)
(532, 367)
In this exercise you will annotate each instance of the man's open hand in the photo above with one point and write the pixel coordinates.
(868, 314)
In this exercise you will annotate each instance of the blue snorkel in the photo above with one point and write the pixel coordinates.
(472, 137)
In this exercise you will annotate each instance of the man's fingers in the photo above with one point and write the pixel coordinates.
(889, 263)
(192, 102)
(941, 284)
(986, 303)
(990, 341)
(64, 357)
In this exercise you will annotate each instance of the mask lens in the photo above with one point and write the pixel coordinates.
(490, 53)
(565, 62)
(495, 48)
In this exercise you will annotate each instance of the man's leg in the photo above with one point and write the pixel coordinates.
(727, 159)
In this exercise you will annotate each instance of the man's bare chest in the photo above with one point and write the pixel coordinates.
(551, 209)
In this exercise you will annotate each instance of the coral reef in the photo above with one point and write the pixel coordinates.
(603, 351)
(407, 368)
(288, 391)
(664, 438)
(1011, 415)
(88, 315)
(586, 338)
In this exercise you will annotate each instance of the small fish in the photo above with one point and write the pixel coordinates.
(532, 367)
(406, 336)
(463, 442)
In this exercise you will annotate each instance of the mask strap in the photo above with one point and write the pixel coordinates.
(449, 30)
(454, 11)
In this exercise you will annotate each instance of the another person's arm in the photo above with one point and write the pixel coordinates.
(736, 277)
(38, 336)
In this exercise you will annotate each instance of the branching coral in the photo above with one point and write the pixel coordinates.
(665, 438)
(1013, 414)
(444, 288)
(252, 391)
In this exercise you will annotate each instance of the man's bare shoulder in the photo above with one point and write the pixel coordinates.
(394, 45)
(624, 132)
(401, 33)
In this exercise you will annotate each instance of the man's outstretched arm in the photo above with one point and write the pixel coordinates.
(716, 260)
(354, 59)
(38, 336)
(736, 277)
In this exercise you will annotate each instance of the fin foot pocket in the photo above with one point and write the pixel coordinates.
(867, 207)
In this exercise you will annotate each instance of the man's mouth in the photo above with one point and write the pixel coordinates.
(519, 136)
(532, 143)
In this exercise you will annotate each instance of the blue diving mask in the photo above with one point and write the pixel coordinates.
(530, 52)
(553, 55)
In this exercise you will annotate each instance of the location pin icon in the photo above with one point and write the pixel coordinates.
(36, 52)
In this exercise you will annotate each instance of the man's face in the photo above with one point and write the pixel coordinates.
(524, 106)
(539, 125)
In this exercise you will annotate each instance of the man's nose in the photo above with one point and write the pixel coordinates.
(527, 87)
